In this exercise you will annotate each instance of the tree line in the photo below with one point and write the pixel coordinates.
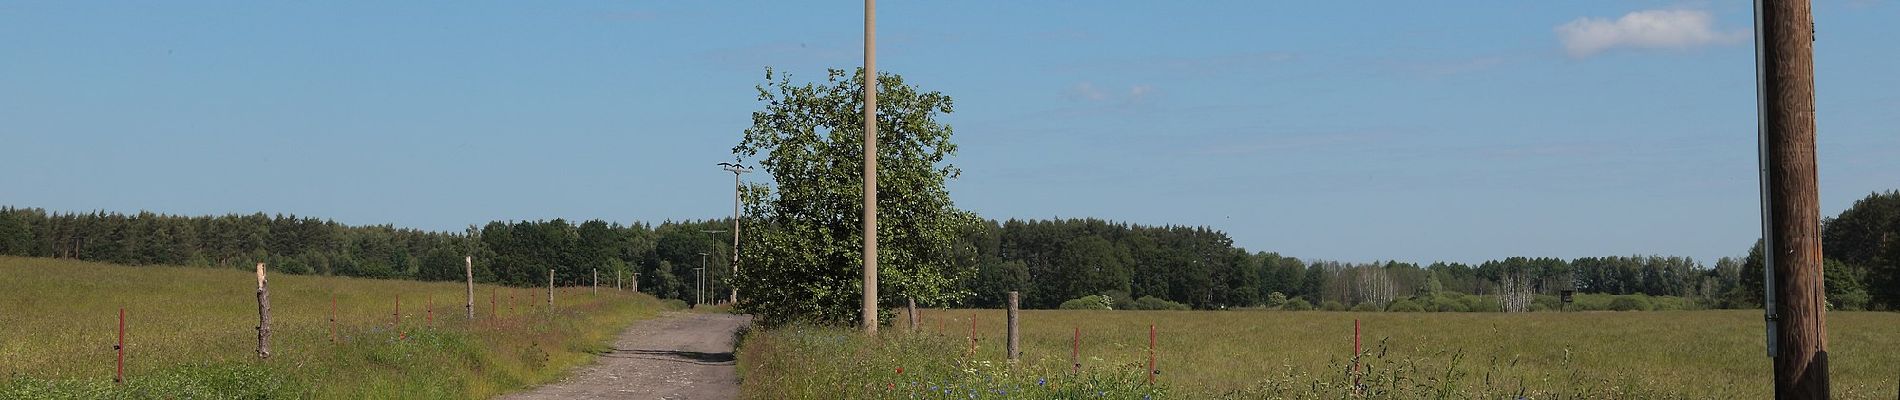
(1049, 261)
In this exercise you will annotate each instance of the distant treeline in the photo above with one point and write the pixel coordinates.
(1049, 261)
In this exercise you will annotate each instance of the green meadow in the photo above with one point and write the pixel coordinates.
(191, 333)
(1283, 354)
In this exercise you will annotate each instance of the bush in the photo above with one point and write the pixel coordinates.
(1406, 305)
(1629, 303)
(1483, 304)
(1154, 303)
(1297, 304)
(1365, 307)
(1091, 302)
(1276, 299)
(673, 304)
(1332, 305)
(1548, 301)
(1120, 300)
(1539, 307)
(1446, 304)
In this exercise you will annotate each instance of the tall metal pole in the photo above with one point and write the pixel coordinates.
(1792, 242)
(699, 293)
(870, 167)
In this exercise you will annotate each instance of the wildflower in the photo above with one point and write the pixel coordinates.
(900, 370)
(1042, 381)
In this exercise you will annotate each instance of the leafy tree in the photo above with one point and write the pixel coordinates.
(804, 258)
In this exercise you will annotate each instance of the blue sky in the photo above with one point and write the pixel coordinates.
(1357, 131)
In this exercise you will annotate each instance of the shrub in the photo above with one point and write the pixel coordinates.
(1365, 307)
(1539, 307)
(1297, 304)
(1629, 303)
(1406, 305)
(673, 304)
(1154, 303)
(1332, 305)
(1548, 301)
(1120, 300)
(1091, 302)
(1483, 304)
(1276, 299)
(1447, 304)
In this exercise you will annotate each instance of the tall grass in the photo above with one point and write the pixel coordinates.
(1267, 354)
(190, 332)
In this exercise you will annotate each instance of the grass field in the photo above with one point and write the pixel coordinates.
(190, 332)
(1273, 354)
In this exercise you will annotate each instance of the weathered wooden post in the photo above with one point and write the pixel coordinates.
(118, 374)
(1015, 349)
(550, 290)
(263, 314)
(468, 263)
(912, 306)
(596, 288)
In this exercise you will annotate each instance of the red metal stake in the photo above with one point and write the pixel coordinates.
(1151, 354)
(1355, 351)
(118, 375)
(1075, 351)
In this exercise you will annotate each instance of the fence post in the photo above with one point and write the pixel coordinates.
(1014, 340)
(596, 288)
(468, 263)
(1355, 351)
(332, 319)
(550, 290)
(912, 304)
(1075, 352)
(1151, 354)
(118, 374)
(263, 314)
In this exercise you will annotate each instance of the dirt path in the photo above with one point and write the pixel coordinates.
(675, 356)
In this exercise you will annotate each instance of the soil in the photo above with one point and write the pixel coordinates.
(676, 356)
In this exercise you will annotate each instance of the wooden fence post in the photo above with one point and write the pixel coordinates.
(1075, 352)
(550, 290)
(1015, 349)
(118, 374)
(468, 263)
(1151, 354)
(912, 304)
(263, 314)
(596, 288)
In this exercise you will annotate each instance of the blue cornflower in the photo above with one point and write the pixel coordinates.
(1042, 381)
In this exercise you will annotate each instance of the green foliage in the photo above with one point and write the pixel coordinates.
(826, 362)
(1096, 302)
(1365, 307)
(1405, 305)
(1156, 303)
(1298, 304)
(1276, 299)
(1332, 305)
(1629, 303)
(804, 254)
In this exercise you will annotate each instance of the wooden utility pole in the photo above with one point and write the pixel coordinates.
(1792, 221)
(736, 170)
(468, 263)
(263, 314)
(870, 167)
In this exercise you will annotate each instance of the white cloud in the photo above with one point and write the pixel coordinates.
(1087, 91)
(1647, 29)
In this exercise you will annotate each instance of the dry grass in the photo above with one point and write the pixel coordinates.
(194, 329)
(1674, 354)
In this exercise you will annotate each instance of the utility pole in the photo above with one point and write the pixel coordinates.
(870, 167)
(736, 170)
(1791, 219)
(699, 292)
